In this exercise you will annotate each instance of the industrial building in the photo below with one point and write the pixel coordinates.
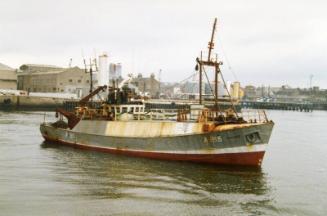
(236, 91)
(8, 78)
(147, 85)
(115, 71)
(107, 73)
(103, 73)
(190, 90)
(250, 92)
(47, 78)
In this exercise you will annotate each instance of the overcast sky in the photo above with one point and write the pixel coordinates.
(262, 42)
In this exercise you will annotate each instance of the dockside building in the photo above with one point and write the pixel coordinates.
(47, 78)
(8, 78)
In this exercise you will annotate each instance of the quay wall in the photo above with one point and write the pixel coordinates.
(21, 102)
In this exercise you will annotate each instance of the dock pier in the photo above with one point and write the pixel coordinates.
(302, 107)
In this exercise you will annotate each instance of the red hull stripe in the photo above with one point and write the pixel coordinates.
(243, 158)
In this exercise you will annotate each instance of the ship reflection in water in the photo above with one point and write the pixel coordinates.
(140, 184)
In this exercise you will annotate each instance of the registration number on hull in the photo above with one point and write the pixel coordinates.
(212, 139)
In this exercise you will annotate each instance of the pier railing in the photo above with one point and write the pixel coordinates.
(293, 106)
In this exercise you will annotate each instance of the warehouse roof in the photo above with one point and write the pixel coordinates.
(5, 67)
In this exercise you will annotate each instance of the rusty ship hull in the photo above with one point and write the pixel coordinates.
(233, 144)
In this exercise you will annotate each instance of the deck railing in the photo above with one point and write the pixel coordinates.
(206, 115)
(254, 115)
(181, 115)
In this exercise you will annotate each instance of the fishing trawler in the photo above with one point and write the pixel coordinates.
(202, 133)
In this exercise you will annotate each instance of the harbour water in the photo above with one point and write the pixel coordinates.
(38, 178)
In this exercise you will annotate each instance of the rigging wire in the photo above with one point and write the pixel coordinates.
(205, 73)
(234, 109)
(188, 77)
(226, 58)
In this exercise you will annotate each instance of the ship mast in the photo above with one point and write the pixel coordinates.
(211, 44)
(211, 63)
